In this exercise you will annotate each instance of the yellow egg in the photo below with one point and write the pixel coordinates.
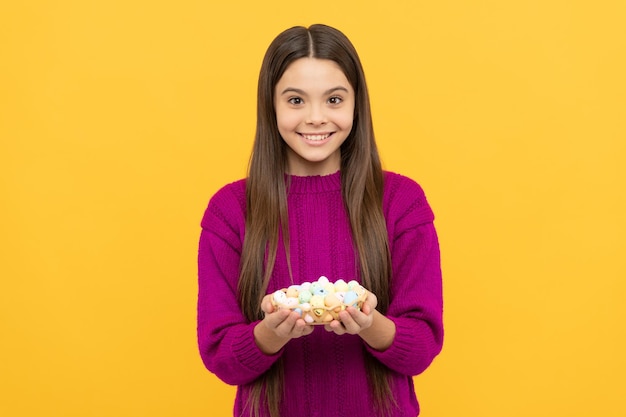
(317, 301)
(341, 285)
(293, 292)
(331, 300)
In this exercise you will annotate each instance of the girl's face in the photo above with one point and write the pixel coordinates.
(314, 105)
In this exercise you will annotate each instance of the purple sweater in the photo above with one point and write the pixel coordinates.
(324, 373)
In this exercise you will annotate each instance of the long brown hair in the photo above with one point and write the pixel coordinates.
(266, 216)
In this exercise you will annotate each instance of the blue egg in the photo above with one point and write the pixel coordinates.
(320, 291)
(350, 298)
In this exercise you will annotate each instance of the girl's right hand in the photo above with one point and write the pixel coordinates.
(278, 327)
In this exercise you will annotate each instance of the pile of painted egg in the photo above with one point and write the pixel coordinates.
(321, 301)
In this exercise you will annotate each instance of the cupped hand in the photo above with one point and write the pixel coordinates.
(284, 323)
(352, 320)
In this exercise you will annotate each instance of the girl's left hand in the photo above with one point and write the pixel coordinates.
(354, 321)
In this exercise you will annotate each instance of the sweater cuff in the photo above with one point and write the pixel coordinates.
(248, 353)
(406, 347)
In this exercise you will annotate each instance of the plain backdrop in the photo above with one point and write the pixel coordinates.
(119, 119)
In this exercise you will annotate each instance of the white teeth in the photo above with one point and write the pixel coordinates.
(315, 137)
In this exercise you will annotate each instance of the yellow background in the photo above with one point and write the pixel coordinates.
(120, 118)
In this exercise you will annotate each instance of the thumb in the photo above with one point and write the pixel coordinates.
(366, 309)
(266, 305)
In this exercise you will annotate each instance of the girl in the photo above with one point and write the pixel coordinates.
(316, 202)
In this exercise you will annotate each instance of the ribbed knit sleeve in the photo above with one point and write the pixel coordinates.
(416, 305)
(225, 338)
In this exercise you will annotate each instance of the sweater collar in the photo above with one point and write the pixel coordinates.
(313, 183)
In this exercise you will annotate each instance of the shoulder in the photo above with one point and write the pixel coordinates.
(405, 200)
(394, 183)
(234, 192)
(227, 203)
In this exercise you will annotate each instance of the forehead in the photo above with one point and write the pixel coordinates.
(313, 74)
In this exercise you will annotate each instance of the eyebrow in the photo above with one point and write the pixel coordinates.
(301, 92)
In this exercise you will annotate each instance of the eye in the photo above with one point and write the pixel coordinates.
(295, 100)
(335, 100)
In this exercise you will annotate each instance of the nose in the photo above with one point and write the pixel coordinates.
(316, 115)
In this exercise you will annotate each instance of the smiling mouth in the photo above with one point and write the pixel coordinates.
(316, 137)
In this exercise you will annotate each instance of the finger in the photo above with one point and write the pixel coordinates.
(348, 322)
(274, 319)
(359, 316)
(266, 304)
(366, 309)
(287, 326)
(302, 329)
(335, 326)
(371, 300)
